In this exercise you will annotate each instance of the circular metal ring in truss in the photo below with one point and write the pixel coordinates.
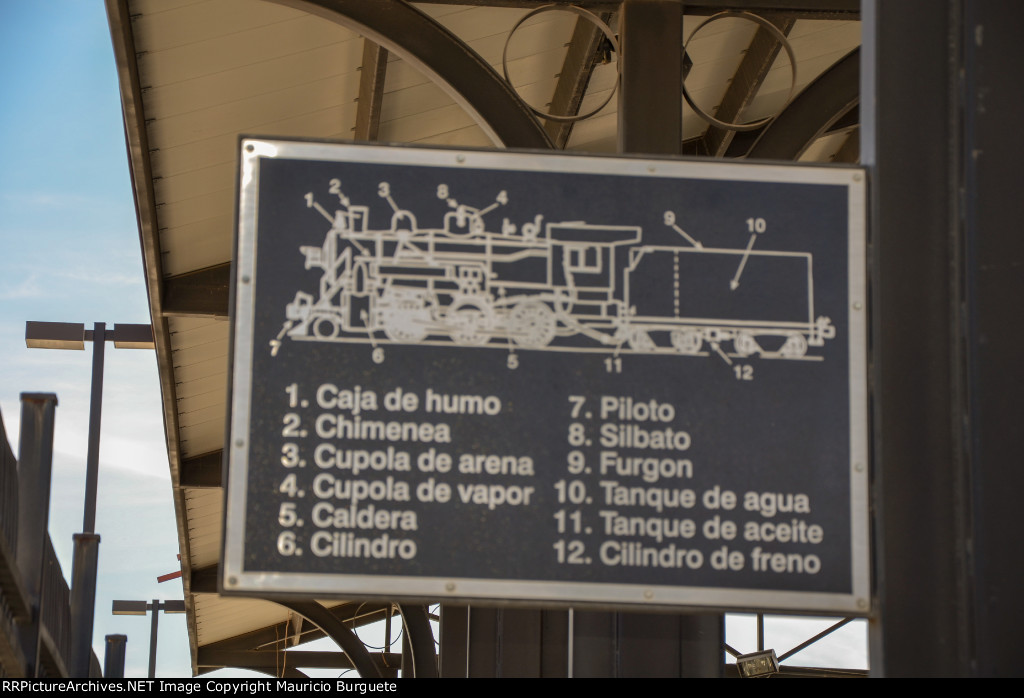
(771, 29)
(590, 17)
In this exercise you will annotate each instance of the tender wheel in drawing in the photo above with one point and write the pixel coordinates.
(686, 341)
(745, 344)
(640, 340)
(795, 346)
(532, 324)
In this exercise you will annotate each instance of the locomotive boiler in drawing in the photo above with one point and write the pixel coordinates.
(550, 285)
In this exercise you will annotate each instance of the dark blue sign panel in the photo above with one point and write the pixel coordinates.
(548, 379)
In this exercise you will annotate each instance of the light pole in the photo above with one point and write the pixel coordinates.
(139, 608)
(70, 335)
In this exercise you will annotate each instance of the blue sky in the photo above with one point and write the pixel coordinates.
(69, 252)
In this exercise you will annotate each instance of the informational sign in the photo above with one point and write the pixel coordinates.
(548, 379)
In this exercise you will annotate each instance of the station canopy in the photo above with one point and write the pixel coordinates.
(196, 74)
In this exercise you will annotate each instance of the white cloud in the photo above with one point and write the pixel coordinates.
(27, 288)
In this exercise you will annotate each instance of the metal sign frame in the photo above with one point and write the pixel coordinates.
(604, 293)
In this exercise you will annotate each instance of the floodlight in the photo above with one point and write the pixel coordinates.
(129, 608)
(757, 664)
(54, 335)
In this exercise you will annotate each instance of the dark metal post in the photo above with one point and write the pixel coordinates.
(35, 461)
(113, 658)
(85, 563)
(939, 137)
(651, 64)
(92, 462)
(155, 612)
(650, 121)
(994, 256)
(909, 60)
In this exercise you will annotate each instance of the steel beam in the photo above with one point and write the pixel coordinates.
(915, 336)
(920, 625)
(577, 68)
(202, 471)
(346, 639)
(810, 9)
(650, 95)
(994, 257)
(650, 121)
(946, 212)
(371, 91)
(421, 641)
(203, 580)
(454, 641)
(202, 293)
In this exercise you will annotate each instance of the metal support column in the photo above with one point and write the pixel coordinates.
(113, 658)
(940, 139)
(153, 636)
(35, 461)
(651, 64)
(650, 122)
(994, 256)
(482, 642)
(85, 563)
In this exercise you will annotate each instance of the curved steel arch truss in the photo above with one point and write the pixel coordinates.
(829, 98)
(454, 66)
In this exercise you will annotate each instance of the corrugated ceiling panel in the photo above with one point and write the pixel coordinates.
(202, 438)
(167, 26)
(597, 134)
(197, 333)
(262, 77)
(173, 159)
(197, 246)
(218, 618)
(425, 124)
(213, 398)
(468, 137)
(228, 119)
(205, 509)
(225, 46)
(198, 369)
(184, 186)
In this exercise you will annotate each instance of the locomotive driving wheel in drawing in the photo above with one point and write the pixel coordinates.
(470, 321)
(403, 315)
(532, 324)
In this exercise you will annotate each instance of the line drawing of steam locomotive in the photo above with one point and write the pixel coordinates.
(554, 286)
